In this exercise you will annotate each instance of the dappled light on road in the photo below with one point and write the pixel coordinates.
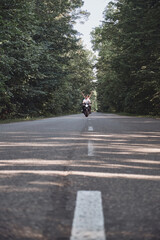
(128, 153)
(40, 172)
(131, 154)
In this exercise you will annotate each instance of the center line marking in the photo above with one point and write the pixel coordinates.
(88, 222)
(90, 148)
(90, 128)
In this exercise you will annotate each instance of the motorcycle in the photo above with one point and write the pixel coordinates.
(86, 109)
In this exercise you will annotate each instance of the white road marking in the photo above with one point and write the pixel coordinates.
(90, 128)
(90, 148)
(88, 222)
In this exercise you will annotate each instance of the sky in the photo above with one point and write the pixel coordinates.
(95, 8)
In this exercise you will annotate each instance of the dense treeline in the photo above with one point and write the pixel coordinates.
(128, 67)
(43, 66)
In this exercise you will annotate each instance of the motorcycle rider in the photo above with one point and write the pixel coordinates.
(88, 101)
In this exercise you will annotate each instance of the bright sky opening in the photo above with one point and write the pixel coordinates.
(96, 9)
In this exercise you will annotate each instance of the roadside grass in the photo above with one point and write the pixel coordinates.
(14, 120)
(138, 115)
(132, 114)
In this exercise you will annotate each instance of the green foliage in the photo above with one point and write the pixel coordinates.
(40, 58)
(129, 62)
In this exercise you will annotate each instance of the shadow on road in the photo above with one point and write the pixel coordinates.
(40, 173)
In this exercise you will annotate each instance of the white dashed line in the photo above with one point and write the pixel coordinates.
(90, 148)
(88, 222)
(90, 128)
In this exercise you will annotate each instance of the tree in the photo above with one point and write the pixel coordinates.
(128, 66)
(38, 45)
(18, 48)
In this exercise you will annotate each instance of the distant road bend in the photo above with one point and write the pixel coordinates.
(78, 178)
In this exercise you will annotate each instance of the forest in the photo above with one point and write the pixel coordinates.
(128, 66)
(44, 66)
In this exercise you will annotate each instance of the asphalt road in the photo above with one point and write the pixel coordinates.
(44, 163)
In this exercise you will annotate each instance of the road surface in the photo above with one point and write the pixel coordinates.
(56, 173)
